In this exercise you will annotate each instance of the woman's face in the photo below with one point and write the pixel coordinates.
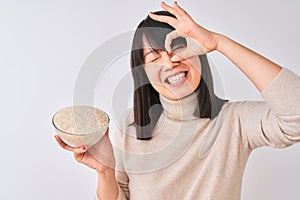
(173, 80)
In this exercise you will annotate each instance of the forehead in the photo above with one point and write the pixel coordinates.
(145, 44)
(154, 38)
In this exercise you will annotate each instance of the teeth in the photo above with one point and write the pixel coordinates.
(176, 78)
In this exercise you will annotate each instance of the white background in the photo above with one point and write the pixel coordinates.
(43, 45)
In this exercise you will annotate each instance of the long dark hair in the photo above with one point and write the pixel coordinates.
(147, 106)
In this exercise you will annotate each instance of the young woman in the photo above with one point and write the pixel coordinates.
(181, 141)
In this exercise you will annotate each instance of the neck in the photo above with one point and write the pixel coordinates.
(181, 109)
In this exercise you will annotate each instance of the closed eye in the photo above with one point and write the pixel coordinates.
(178, 43)
(154, 59)
(151, 56)
(178, 47)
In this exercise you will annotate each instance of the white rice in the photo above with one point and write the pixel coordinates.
(81, 120)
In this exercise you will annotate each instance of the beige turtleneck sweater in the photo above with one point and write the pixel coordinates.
(193, 158)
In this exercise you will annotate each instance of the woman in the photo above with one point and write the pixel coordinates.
(181, 141)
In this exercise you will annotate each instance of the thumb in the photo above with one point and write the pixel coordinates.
(177, 57)
(183, 54)
(193, 48)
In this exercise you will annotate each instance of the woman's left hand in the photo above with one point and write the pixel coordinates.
(199, 40)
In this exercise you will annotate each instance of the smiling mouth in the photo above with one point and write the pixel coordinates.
(176, 78)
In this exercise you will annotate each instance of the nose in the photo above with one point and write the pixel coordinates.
(166, 61)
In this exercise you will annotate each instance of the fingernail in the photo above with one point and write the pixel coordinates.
(168, 53)
(151, 12)
(176, 2)
(174, 59)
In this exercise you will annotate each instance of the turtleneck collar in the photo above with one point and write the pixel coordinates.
(181, 109)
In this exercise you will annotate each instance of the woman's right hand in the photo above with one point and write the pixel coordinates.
(199, 40)
(99, 157)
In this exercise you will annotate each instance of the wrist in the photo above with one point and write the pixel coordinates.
(107, 185)
(212, 41)
(221, 39)
(109, 172)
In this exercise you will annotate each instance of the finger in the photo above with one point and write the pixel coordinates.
(165, 19)
(184, 55)
(194, 48)
(178, 9)
(107, 132)
(79, 157)
(177, 57)
(171, 36)
(80, 150)
(63, 144)
(169, 9)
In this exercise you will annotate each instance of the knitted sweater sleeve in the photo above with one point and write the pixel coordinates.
(276, 121)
